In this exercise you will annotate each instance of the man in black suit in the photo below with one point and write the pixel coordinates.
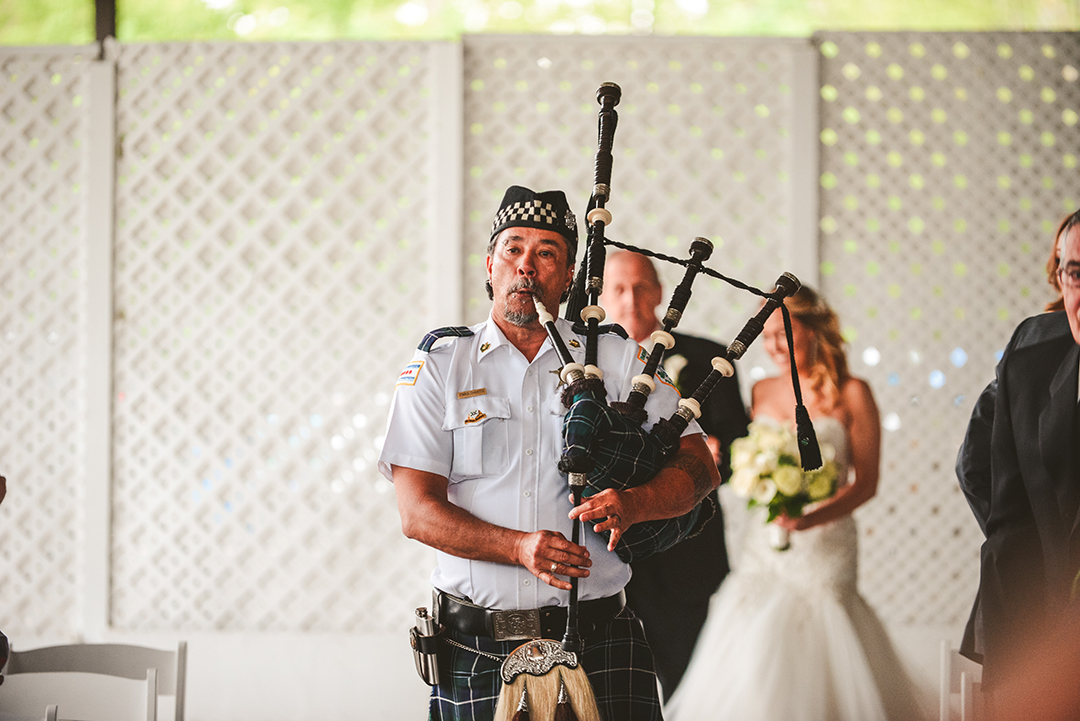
(1020, 470)
(670, 591)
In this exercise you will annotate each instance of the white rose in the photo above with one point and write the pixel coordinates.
(741, 458)
(673, 366)
(753, 430)
(765, 463)
(771, 440)
(743, 481)
(765, 491)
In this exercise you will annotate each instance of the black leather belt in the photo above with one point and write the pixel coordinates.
(523, 624)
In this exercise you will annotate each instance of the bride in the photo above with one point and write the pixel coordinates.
(788, 636)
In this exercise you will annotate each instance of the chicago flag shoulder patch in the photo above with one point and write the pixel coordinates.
(410, 374)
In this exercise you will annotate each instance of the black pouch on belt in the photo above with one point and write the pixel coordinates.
(424, 639)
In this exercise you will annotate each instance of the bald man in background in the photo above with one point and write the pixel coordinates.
(670, 591)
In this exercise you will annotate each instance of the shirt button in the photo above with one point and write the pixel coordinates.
(528, 582)
(528, 408)
(528, 452)
(528, 494)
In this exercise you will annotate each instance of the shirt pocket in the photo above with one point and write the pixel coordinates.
(481, 436)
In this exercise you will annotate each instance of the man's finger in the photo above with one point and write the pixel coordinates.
(557, 582)
(590, 512)
(616, 534)
(576, 552)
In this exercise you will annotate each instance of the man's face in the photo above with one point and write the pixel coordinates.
(1070, 263)
(631, 294)
(524, 262)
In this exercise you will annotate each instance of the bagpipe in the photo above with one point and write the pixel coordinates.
(604, 444)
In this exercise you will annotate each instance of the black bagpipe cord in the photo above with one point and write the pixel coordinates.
(809, 450)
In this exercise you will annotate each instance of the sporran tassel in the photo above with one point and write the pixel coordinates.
(564, 711)
(522, 712)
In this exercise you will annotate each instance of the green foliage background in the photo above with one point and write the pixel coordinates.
(36, 22)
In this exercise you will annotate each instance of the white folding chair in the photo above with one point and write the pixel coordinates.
(959, 675)
(73, 677)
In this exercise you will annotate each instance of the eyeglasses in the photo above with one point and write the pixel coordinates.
(1069, 278)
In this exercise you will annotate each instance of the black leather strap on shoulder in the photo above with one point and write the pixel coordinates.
(582, 329)
(455, 331)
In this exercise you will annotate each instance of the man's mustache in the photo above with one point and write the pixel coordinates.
(524, 284)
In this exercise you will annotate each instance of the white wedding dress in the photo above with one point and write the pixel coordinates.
(789, 638)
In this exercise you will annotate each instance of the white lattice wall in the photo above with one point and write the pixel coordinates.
(42, 337)
(273, 207)
(947, 162)
(271, 224)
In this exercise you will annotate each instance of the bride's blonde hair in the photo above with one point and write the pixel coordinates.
(829, 370)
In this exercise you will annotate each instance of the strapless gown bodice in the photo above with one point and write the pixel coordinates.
(822, 559)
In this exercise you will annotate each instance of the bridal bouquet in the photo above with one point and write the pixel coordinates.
(765, 469)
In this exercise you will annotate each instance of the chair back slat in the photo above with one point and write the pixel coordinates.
(180, 688)
(958, 675)
(109, 659)
(151, 694)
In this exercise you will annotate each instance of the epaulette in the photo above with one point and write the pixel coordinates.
(456, 331)
(582, 329)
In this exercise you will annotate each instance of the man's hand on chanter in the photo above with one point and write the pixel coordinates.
(609, 510)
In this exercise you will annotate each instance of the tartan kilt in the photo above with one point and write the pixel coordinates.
(616, 657)
(619, 454)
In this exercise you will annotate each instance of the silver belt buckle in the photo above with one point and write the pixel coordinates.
(521, 625)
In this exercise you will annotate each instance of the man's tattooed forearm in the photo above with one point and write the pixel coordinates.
(694, 467)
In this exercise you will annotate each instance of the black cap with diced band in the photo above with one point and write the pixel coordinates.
(524, 208)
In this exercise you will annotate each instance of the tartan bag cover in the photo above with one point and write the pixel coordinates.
(620, 454)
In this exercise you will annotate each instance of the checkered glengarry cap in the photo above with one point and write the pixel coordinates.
(524, 208)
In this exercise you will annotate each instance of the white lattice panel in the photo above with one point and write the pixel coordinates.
(42, 336)
(703, 148)
(271, 217)
(947, 161)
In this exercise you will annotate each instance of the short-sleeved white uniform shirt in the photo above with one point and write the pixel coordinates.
(475, 411)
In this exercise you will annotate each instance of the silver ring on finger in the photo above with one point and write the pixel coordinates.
(554, 567)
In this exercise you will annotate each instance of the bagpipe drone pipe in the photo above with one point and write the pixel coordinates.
(605, 445)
